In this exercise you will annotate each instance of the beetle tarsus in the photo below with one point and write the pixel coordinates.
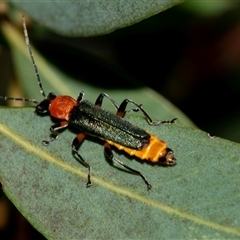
(89, 183)
(149, 187)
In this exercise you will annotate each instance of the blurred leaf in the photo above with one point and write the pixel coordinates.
(209, 8)
(91, 18)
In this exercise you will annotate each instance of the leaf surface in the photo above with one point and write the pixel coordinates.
(196, 198)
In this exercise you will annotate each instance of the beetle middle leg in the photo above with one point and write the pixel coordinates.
(108, 152)
(75, 145)
(122, 111)
(99, 102)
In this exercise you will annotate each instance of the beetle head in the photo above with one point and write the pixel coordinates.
(43, 106)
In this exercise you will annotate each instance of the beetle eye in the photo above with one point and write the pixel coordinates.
(51, 96)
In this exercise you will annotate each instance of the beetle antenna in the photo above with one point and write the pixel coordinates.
(19, 99)
(32, 58)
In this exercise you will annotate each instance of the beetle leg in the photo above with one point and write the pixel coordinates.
(54, 132)
(80, 97)
(100, 100)
(108, 152)
(122, 111)
(75, 145)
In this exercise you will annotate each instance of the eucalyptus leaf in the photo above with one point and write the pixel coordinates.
(91, 18)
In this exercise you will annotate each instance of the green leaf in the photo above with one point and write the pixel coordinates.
(91, 18)
(196, 198)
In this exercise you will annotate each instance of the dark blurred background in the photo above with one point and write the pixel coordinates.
(190, 54)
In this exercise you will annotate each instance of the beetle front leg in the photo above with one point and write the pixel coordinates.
(122, 111)
(108, 152)
(75, 145)
(54, 132)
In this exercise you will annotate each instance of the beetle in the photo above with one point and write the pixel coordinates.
(91, 119)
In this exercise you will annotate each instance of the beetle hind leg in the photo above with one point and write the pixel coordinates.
(108, 152)
(122, 111)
